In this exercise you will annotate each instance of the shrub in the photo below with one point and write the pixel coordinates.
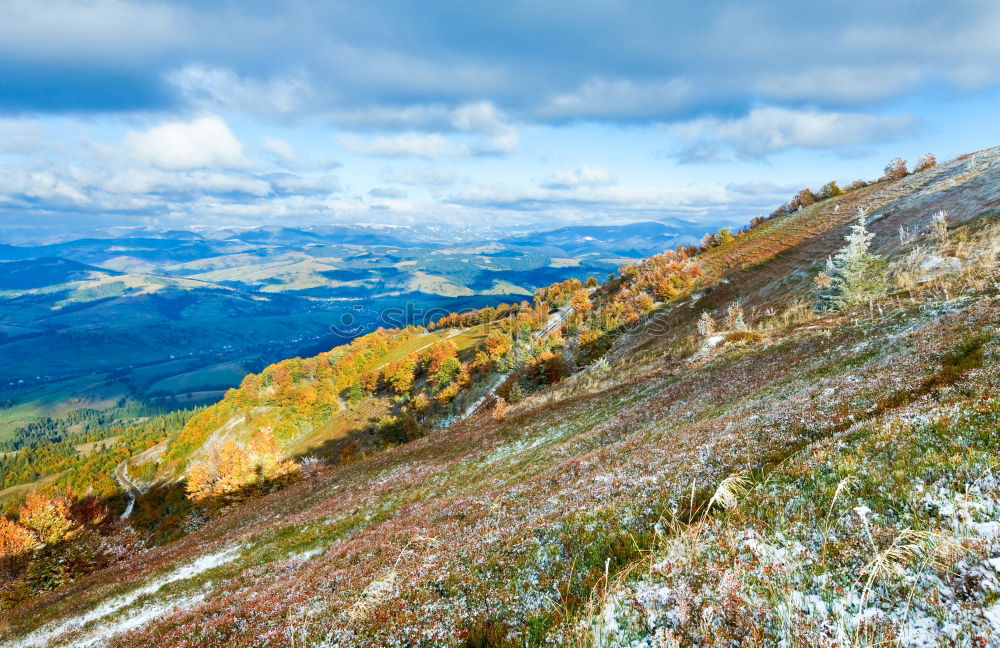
(806, 197)
(735, 320)
(895, 169)
(829, 190)
(925, 161)
(939, 227)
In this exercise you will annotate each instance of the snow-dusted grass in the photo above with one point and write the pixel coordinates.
(120, 614)
(884, 536)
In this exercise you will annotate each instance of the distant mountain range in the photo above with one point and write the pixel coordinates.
(184, 314)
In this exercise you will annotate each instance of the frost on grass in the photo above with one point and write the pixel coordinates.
(119, 615)
(912, 567)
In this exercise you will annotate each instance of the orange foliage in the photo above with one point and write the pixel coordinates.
(48, 517)
(497, 345)
(15, 539)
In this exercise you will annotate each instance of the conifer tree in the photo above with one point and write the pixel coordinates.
(854, 275)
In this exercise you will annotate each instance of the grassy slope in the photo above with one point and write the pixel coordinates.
(575, 518)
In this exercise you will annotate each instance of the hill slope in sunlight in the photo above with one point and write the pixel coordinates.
(687, 454)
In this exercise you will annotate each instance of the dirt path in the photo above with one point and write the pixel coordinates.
(121, 476)
(555, 321)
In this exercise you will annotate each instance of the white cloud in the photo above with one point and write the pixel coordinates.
(20, 136)
(280, 149)
(768, 130)
(594, 202)
(104, 30)
(429, 176)
(216, 88)
(188, 183)
(588, 175)
(287, 183)
(54, 188)
(600, 98)
(205, 142)
(430, 145)
(841, 84)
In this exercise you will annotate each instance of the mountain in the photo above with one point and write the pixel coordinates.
(37, 273)
(690, 453)
(151, 315)
(635, 240)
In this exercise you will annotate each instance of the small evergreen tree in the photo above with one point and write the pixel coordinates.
(735, 320)
(706, 325)
(854, 275)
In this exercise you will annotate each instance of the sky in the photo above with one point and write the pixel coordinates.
(122, 113)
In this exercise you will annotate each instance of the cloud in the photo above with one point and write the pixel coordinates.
(372, 66)
(287, 183)
(386, 192)
(730, 202)
(183, 186)
(218, 88)
(470, 130)
(205, 142)
(767, 130)
(616, 99)
(429, 176)
(21, 136)
(586, 175)
(279, 148)
(431, 146)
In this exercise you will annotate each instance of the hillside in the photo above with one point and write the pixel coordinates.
(181, 316)
(689, 454)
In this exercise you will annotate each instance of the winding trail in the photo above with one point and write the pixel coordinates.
(556, 320)
(121, 476)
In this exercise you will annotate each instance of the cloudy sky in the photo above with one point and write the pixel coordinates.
(538, 113)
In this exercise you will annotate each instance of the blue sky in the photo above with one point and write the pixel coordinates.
(527, 114)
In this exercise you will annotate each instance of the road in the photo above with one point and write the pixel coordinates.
(556, 320)
(121, 476)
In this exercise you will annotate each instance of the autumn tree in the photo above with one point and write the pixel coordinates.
(829, 190)
(497, 345)
(735, 318)
(581, 301)
(499, 412)
(447, 371)
(268, 456)
(200, 481)
(939, 227)
(895, 169)
(15, 539)
(401, 374)
(439, 353)
(235, 469)
(49, 517)
(806, 197)
(925, 161)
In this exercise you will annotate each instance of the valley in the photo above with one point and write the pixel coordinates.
(179, 317)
